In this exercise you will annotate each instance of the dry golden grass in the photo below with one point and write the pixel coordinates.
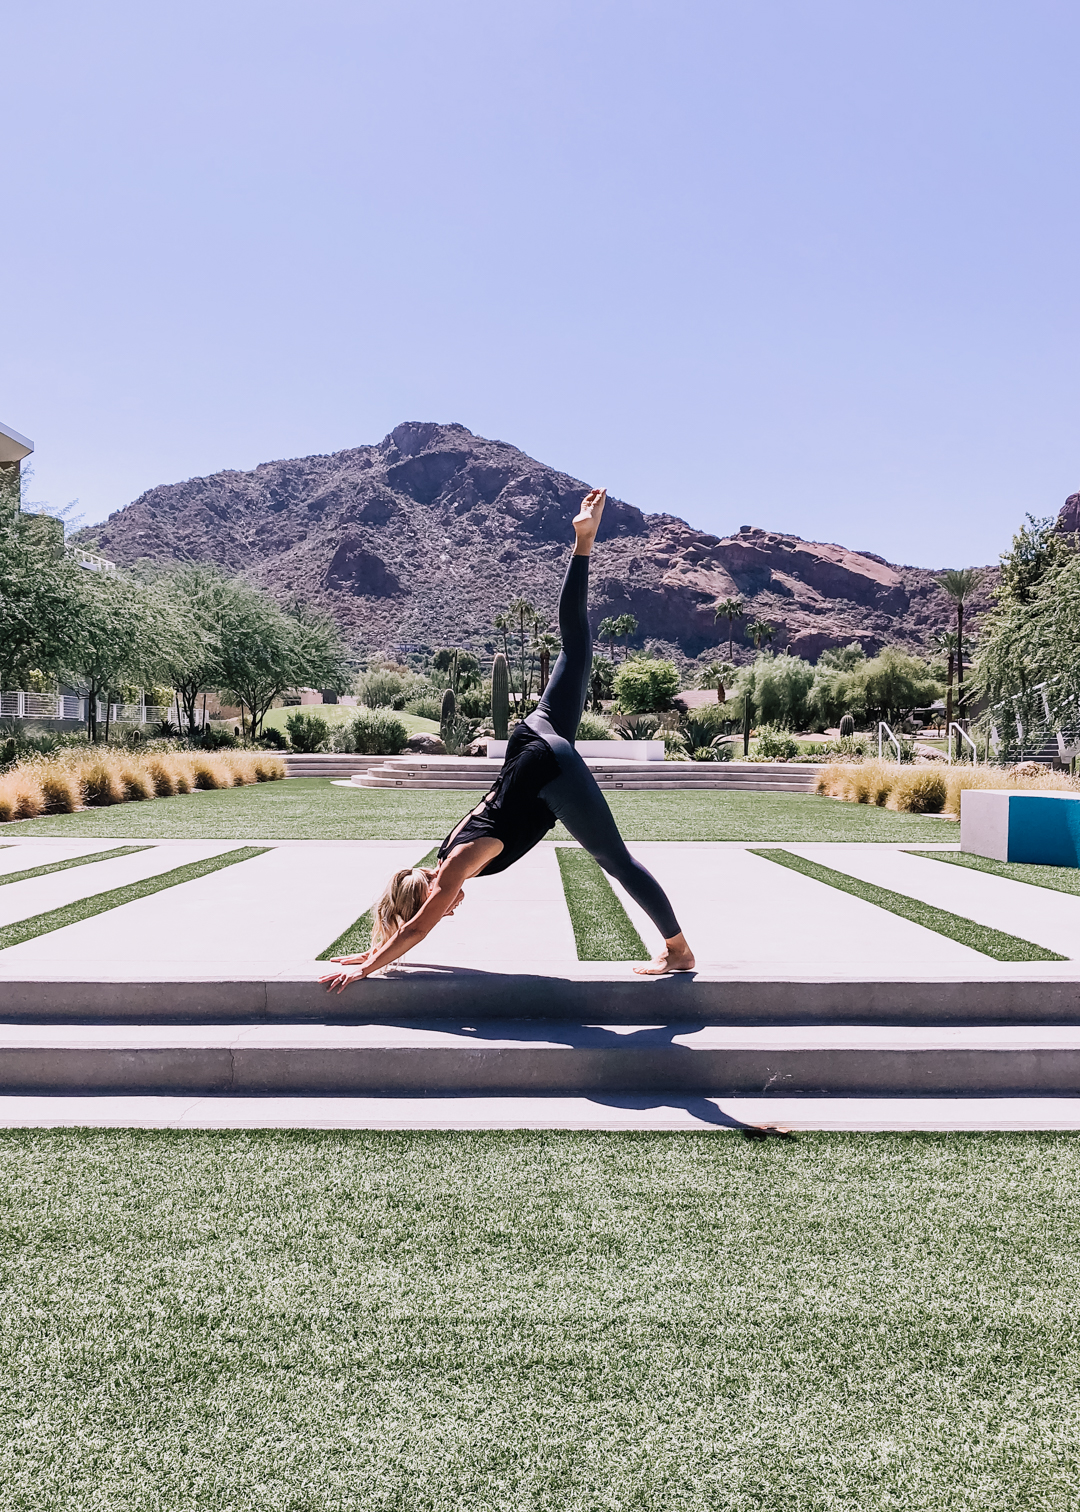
(93, 778)
(929, 789)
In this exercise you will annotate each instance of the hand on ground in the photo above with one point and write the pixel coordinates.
(339, 980)
(354, 960)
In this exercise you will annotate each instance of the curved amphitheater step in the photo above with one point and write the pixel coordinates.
(451, 772)
(327, 766)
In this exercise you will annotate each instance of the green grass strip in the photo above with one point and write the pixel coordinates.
(87, 908)
(1064, 879)
(59, 866)
(602, 927)
(357, 938)
(989, 942)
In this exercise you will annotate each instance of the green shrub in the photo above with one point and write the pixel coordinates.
(424, 708)
(674, 745)
(594, 727)
(458, 734)
(273, 738)
(375, 732)
(307, 732)
(474, 703)
(379, 689)
(210, 739)
(645, 685)
(775, 745)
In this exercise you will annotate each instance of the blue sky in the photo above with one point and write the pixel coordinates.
(810, 265)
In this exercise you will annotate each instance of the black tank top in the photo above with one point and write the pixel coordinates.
(513, 810)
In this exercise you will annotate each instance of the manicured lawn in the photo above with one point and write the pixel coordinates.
(464, 1322)
(314, 809)
(338, 714)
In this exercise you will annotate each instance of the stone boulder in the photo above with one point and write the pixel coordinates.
(425, 745)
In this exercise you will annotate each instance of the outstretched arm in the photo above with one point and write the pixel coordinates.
(443, 898)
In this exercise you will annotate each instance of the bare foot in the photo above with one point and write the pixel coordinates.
(675, 956)
(587, 520)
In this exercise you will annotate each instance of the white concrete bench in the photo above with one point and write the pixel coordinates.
(1042, 829)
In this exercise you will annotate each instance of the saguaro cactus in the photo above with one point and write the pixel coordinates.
(500, 696)
(448, 711)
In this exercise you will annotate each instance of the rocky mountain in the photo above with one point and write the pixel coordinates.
(419, 540)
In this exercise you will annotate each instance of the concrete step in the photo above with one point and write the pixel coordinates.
(1047, 993)
(328, 766)
(515, 1058)
(640, 784)
(477, 773)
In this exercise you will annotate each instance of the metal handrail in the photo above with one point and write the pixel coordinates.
(963, 736)
(883, 726)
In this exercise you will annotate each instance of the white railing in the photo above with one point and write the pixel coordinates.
(91, 561)
(963, 734)
(41, 706)
(883, 726)
(69, 706)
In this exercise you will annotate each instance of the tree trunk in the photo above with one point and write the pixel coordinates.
(948, 703)
(959, 659)
(730, 637)
(748, 709)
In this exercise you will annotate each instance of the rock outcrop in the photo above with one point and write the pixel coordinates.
(421, 539)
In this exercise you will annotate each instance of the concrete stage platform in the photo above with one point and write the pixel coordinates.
(209, 988)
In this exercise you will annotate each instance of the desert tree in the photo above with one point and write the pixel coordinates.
(717, 675)
(126, 632)
(625, 626)
(760, 631)
(606, 631)
(730, 609)
(266, 651)
(958, 585)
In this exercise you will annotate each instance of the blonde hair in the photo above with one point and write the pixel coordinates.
(404, 897)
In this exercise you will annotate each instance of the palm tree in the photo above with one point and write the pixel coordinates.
(945, 640)
(626, 626)
(519, 611)
(730, 609)
(608, 630)
(760, 631)
(716, 675)
(959, 584)
(502, 626)
(546, 644)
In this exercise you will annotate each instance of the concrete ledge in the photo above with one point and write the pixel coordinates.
(1048, 994)
(511, 1059)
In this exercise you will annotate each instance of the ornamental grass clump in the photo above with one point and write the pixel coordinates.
(162, 775)
(209, 773)
(100, 780)
(919, 790)
(930, 789)
(61, 788)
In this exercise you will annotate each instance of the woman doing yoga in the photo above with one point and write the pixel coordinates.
(543, 779)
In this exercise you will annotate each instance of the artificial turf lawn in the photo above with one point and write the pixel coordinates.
(49, 867)
(991, 942)
(98, 903)
(557, 1322)
(602, 928)
(1064, 879)
(315, 809)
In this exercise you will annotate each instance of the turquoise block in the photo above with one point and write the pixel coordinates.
(1044, 830)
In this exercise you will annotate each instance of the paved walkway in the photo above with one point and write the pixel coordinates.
(277, 912)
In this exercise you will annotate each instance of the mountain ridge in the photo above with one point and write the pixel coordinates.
(422, 537)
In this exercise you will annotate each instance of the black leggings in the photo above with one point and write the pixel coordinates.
(574, 796)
